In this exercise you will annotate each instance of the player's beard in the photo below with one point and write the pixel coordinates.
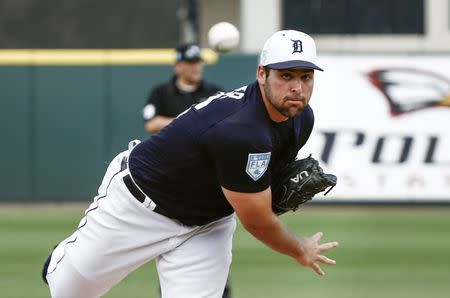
(280, 106)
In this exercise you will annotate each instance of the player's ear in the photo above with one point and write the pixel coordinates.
(261, 74)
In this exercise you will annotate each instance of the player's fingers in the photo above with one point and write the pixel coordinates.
(317, 268)
(325, 260)
(328, 246)
(317, 236)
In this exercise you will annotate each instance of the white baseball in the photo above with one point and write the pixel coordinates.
(223, 37)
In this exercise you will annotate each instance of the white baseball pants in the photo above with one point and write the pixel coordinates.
(119, 234)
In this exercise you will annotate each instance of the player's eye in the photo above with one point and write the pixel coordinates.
(306, 77)
(286, 76)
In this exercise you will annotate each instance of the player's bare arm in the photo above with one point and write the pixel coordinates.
(157, 123)
(254, 210)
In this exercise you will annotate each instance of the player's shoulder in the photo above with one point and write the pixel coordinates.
(246, 120)
(308, 112)
(164, 86)
(221, 102)
(306, 116)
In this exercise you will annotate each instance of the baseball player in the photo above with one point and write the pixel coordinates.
(184, 89)
(174, 197)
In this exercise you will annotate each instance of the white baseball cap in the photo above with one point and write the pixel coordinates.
(289, 49)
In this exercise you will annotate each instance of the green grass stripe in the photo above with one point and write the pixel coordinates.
(383, 252)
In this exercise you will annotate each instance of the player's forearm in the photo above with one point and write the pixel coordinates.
(157, 123)
(276, 236)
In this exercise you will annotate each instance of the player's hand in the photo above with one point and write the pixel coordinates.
(312, 252)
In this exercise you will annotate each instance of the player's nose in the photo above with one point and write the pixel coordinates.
(296, 86)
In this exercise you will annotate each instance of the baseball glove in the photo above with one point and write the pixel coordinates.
(297, 183)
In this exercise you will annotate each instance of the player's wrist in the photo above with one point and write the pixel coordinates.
(300, 249)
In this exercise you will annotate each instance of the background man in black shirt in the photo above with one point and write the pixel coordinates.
(184, 89)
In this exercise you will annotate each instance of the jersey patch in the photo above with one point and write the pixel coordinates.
(257, 164)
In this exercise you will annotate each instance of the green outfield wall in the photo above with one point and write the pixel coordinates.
(64, 115)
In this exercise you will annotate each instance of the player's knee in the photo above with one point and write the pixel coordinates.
(45, 268)
(67, 282)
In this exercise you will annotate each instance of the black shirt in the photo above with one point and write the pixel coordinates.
(168, 100)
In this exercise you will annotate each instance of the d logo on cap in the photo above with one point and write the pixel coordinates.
(297, 45)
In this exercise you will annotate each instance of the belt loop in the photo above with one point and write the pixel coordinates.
(124, 163)
(132, 144)
(149, 203)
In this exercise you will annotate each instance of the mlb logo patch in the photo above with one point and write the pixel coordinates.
(257, 164)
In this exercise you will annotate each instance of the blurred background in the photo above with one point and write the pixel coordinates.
(75, 75)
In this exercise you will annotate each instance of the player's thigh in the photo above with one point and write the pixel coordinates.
(199, 266)
(69, 283)
(116, 236)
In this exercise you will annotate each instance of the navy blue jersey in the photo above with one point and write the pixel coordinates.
(227, 140)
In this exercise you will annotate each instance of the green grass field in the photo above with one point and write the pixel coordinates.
(383, 252)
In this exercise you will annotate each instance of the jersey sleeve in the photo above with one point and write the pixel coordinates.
(241, 164)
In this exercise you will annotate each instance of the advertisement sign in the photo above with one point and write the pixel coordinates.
(382, 125)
